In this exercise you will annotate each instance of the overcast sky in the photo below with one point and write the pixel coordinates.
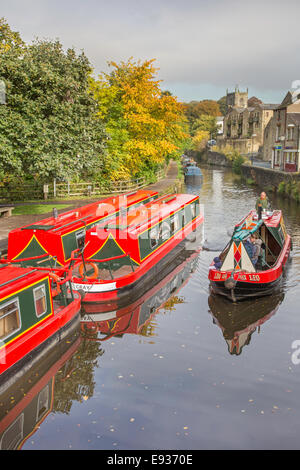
(201, 47)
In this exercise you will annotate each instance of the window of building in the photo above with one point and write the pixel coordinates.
(10, 319)
(290, 135)
(277, 132)
(40, 301)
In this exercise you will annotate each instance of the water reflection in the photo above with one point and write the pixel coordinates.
(137, 318)
(29, 400)
(239, 321)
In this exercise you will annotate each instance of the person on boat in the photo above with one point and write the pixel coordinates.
(262, 203)
(249, 247)
(256, 248)
(217, 262)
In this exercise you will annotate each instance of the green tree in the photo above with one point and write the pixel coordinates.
(48, 127)
(222, 102)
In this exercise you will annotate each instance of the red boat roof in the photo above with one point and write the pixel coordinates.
(14, 278)
(139, 219)
(88, 213)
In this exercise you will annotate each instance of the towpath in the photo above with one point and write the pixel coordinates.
(9, 223)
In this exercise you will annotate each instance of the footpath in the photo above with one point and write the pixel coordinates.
(167, 185)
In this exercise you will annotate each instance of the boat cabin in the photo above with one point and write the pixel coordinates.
(31, 310)
(51, 241)
(270, 230)
(118, 247)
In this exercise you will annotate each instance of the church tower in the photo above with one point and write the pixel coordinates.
(237, 98)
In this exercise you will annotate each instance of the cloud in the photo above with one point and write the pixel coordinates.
(216, 42)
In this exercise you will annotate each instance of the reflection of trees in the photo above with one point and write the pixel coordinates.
(170, 304)
(75, 380)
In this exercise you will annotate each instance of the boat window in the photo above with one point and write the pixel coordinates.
(165, 231)
(174, 223)
(154, 238)
(43, 403)
(193, 209)
(13, 435)
(10, 319)
(80, 237)
(40, 302)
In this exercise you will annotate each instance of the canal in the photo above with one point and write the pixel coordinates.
(177, 369)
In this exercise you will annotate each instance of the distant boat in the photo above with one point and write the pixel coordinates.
(192, 174)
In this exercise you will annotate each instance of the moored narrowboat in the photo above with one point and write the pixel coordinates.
(37, 309)
(238, 275)
(120, 255)
(192, 175)
(51, 241)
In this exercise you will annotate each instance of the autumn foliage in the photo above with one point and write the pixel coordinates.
(146, 126)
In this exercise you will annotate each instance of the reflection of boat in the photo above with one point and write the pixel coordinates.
(239, 321)
(26, 403)
(120, 255)
(53, 239)
(238, 277)
(135, 317)
(34, 315)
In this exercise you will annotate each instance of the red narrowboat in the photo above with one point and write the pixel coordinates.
(37, 310)
(120, 255)
(51, 241)
(238, 275)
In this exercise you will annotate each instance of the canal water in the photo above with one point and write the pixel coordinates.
(179, 369)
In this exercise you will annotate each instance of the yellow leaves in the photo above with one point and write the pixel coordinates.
(200, 139)
(153, 120)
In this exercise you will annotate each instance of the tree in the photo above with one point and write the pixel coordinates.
(146, 126)
(195, 109)
(222, 102)
(48, 127)
(9, 38)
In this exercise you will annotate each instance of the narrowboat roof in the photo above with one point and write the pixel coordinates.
(139, 220)
(250, 224)
(86, 214)
(14, 278)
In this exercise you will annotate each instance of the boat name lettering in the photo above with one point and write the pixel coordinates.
(254, 277)
(220, 276)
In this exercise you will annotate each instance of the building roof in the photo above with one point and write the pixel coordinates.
(293, 118)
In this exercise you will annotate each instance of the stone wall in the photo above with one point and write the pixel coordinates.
(268, 178)
(213, 158)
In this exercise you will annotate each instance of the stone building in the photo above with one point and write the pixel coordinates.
(245, 122)
(282, 135)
